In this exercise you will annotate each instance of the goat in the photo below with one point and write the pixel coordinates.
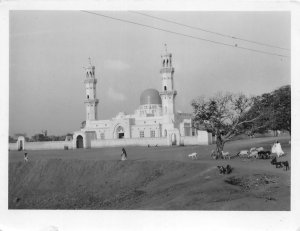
(225, 170)
(243, 153)
(252, 149)
(213, 154)
(193, 155)
(228, 169)
(254, 154)
(259, 149)
(274, 160)
(225, 155)
(285, 164)
(278, 164)
(222, 170)
(264, 154)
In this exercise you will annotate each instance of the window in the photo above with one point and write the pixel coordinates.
(141, 134)
(152, 134)
(88, 96)
(102, 136)
(165, 88)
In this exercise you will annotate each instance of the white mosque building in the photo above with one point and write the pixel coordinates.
(155, 122)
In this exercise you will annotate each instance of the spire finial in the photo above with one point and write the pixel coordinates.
(166, 48)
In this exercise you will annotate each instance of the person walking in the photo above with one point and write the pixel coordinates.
(124, 154)
(25, 157)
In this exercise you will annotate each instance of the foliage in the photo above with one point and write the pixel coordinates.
(275, 111)
(225, 115)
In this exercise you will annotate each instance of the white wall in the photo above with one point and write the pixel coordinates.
(190, 140)
(43, 145)
(128, 142)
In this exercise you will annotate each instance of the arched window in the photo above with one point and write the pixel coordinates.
(165, 132)
(88, 96)
(163, 63)
(91, 73)
(165, 88)
(167, 62)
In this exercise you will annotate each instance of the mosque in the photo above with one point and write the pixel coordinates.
(155, 122)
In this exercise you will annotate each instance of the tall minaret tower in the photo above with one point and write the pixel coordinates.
(91, 101)
(168, 93)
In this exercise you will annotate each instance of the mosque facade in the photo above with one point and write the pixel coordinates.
(154, 122)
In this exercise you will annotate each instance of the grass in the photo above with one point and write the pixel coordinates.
(155, 178)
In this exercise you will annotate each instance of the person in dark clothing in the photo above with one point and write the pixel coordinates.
(124, 154)
(25, 157)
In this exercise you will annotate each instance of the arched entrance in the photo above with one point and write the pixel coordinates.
(120, 132)
(21, 143)
(173, 139)
(79, 142)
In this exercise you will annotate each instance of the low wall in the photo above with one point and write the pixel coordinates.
(130, 142)
(42, 145)
(189, 140)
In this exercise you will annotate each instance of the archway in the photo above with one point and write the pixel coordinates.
(79, 142)
(21, 143)
(120, 133)
(173, 139)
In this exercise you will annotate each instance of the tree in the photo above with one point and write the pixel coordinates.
(275, 111)
(282, 108)
(225, 115)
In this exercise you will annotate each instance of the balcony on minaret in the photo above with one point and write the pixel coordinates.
(167, 70)
(91, 101)
(166, 93)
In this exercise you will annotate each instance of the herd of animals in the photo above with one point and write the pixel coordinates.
(258, 153)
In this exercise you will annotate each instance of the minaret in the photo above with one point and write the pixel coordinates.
(168, 93)
(91, 101)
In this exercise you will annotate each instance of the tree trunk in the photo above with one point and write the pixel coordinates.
(220, 146)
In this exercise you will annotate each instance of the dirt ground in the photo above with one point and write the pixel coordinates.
(154, 178)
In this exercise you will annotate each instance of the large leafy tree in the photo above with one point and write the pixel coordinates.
(282, 108)
(225, 115)
(275, 111)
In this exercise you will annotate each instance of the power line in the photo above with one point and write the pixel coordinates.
(185, 35)
(211, 32)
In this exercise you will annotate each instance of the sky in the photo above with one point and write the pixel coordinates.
(48, 50)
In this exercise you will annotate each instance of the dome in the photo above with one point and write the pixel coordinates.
(150, 96)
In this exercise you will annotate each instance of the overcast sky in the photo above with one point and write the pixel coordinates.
(48, 50)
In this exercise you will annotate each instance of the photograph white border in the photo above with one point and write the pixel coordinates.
(67, 220)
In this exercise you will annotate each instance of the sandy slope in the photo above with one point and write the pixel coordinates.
(153, 178)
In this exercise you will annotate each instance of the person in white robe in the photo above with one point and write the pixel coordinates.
(277, 149)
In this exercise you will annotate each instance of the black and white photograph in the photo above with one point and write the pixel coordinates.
(122, 113)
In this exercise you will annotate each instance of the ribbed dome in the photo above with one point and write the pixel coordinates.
(150, 96)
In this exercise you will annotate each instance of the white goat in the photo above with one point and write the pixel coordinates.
(254, 154)
(193, 155)
(260, 149)
(226, 155)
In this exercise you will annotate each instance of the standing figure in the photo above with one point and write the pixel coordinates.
(124, 154)
(25, 157)
(279, 150)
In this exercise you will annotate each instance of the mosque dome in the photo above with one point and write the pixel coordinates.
(150, 96)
